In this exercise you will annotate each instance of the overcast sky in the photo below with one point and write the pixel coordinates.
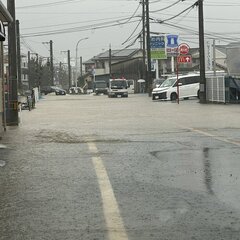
(113, 22)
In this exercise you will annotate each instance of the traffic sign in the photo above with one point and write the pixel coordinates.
(184, 59)
(183, 49)
(158, 47)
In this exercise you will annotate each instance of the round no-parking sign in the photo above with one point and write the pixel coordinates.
(183, 49)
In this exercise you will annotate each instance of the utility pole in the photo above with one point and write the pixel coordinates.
(12, 118)
(51, 62)
(149, 77)
(19, 58)
(69, 70)
(81, 71)
(29, 66)
(144, 38)
(110, 62)
(37, 83)
(202, 53)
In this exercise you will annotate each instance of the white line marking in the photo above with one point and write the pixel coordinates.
(115, 226)
(214, 136)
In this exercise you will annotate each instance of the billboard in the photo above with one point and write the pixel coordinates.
(158, 47)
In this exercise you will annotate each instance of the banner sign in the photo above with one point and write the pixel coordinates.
(209, 55)
(158, 47)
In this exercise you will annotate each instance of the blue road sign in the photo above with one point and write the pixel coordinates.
(157, 42)
(172, 41)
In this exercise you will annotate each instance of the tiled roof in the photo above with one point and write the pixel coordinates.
(122, 53)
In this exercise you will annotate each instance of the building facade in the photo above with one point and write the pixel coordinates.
(5, 18)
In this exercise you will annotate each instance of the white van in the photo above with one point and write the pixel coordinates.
(188, 87)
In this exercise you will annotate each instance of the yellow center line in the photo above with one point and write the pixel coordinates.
(114, 222)
(222, 139)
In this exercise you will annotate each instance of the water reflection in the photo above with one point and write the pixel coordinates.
(207, 171)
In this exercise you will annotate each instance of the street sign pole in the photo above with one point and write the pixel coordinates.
(177, 82)
(183, 50)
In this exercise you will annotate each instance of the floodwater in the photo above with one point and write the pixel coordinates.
(90, 167)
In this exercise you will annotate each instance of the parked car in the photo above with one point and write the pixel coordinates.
(59, 91)
(51, 89)
(46, 90)
(188, 87)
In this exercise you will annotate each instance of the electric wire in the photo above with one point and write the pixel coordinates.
(75, 29)
(47, 4)
(133, 15)
(179, 14)
(132, 32)
(162, 9)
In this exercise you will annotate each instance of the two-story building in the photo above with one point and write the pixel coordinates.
(5, 18)
(99, 66)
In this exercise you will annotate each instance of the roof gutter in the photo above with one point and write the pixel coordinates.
(5, 16)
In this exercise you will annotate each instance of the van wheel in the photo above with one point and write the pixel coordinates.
(198, 94)
(173, 97)
(153, 97)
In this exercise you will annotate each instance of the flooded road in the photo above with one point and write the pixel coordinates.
(90, 167)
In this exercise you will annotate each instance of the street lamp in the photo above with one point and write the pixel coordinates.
(76, 61)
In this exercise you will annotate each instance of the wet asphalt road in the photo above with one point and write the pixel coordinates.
(89, 167)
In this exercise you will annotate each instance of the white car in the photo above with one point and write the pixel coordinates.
(188, 87)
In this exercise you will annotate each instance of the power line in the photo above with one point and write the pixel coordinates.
(162, 9)
(73, 23)
(133, 15)
(132, 32)
(75, 29)
(177, 15)
(47, 4)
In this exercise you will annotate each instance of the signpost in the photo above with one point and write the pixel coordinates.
(158, 50)
(158, 47)
(172, 48)
(183, 49)
(183, 57)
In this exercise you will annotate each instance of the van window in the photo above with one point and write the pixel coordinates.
(188, 80)
(192, 80)
(168, 82)
(180, 80)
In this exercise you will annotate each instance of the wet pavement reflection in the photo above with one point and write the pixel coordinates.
(207, 170)
(166, 170)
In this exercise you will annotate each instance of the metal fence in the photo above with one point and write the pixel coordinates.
(223, 89)
(216, 91)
